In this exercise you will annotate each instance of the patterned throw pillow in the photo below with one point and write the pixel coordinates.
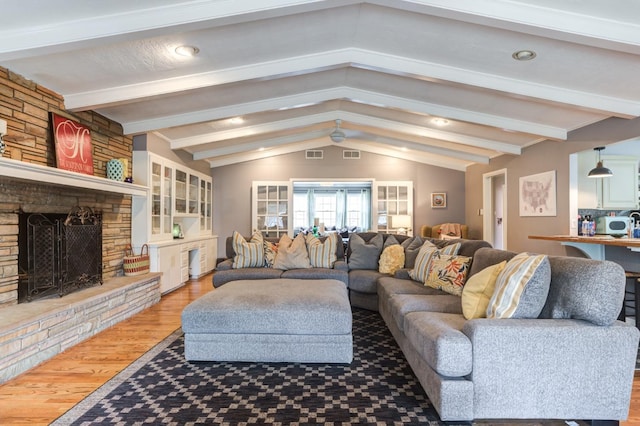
(421, 267)
(292, 254)
(478, 290)
(521, 288)
(270, 251)
(391, 259)
(448, 273)
(322, 254)
(248, 254)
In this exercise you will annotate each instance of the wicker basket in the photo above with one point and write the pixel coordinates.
(134, 264)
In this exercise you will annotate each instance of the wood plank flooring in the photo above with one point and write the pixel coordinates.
(42, 394)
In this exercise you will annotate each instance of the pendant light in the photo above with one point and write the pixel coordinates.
(600, 171)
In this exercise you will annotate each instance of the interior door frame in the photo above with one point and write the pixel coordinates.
(487, 207)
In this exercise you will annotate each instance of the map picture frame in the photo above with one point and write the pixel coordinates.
(537, 194)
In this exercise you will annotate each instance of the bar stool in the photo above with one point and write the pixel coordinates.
(631, 297)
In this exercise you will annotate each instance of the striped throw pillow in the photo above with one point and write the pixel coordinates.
(420, 271)
(322, 254)
(248, 254)
(521, 288)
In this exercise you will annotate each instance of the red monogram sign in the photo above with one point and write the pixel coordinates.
(73, 145)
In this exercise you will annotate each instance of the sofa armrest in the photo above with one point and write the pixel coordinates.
(225, 265)
(341, 265)
(561, 366)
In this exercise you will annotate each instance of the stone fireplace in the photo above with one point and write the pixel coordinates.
(20, 196)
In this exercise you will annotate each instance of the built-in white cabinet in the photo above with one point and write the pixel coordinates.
(620, 191)
(616, 192)
(180, 204)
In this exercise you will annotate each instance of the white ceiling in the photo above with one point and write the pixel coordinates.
(289, 69)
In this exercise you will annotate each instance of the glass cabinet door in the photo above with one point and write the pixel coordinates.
(193, 194)
(393, 199)
(203, 206)
(209, 207)
(181, 192)
(271, 208)
(156, 198)
(167, 222)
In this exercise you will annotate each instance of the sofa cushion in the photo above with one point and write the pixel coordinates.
(292, 254)
(391, 259)
(317, 274)
(222, 277)
(390, 286)
(364, 254)
(521, 288)
(420, 271)
(478, 290)
(402, 304)
(364, 280)
(448, 273)
(322, 254)
(248, 254)
(411, 249)
(438, 338)
(585, 289)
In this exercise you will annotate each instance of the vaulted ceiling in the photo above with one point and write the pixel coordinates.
(432, 81)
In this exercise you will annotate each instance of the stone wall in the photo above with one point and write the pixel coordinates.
(26, 107)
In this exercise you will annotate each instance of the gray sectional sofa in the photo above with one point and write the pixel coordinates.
(570, 359)
(574, 361)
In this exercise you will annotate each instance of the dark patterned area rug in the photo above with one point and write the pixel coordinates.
(377, 388)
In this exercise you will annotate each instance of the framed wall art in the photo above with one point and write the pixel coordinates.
(73, 145)
(538, 194)
(438, 200)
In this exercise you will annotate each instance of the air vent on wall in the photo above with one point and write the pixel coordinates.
(314, 154)
(350, 154)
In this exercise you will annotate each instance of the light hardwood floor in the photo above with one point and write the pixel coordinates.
(42, 394)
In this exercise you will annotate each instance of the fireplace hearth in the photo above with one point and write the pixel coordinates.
(58, 253)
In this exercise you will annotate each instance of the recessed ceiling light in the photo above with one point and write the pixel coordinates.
(524, 55)
(236, 120)
(187, 50)
(440, 121)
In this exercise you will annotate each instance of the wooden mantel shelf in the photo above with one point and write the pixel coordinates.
(36, 172)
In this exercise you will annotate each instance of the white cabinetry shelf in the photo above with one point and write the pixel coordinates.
(180, 198)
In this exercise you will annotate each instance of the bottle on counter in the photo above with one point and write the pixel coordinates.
(580, 225)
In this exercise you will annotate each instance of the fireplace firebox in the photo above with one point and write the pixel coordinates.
(58, 253)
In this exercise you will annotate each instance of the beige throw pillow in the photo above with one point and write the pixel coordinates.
(478, 290)
(391, 259)
(292, 254)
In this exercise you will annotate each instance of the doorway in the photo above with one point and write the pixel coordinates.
(494, 205)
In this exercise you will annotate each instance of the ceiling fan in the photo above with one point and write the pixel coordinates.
(338, 135)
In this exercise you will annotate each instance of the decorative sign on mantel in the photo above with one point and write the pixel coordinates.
(73, 145)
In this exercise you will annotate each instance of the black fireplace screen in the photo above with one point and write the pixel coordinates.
(64, 253)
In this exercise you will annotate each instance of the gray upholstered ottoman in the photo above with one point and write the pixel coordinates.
(272, 320)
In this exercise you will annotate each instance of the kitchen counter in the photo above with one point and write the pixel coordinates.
(592, 246)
